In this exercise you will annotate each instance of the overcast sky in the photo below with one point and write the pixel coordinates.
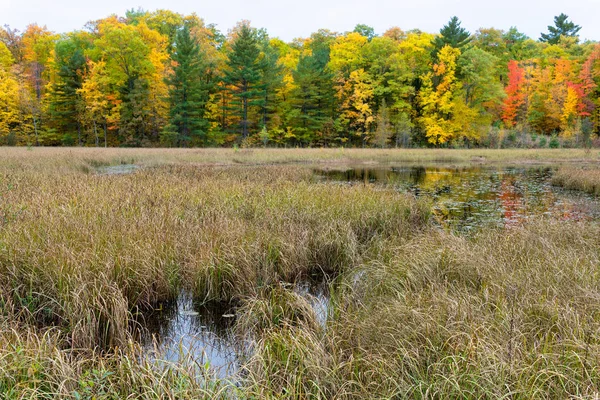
(299, 18)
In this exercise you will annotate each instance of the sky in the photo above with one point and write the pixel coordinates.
(299, 18)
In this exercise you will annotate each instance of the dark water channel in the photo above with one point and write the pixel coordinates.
(187, 328)
(468, 198)
(463, 199)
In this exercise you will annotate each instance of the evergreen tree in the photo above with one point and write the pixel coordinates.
(452, 35)
(272, 78)
(313, 97)
(189, 91)
(244, 76)
(66, 104)
(135, 113)
(562, 27)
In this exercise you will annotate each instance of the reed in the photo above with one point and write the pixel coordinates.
(583, 179)
(415, 312)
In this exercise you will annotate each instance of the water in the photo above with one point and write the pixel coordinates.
(465, 199)
(317, 294)
(122, 169)
(186, 328)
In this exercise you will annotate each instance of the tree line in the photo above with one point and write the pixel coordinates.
(165, 79)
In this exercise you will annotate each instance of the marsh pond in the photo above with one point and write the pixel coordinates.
(463, 199)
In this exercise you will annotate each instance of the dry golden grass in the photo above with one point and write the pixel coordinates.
(508, 313)
(18, 158)
(415, 313)
(577, 178)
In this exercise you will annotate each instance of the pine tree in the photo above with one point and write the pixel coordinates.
(308, 97)
(244, 76)
(189, 91)
(272, 78)
(562, 27)
(452, 35)
(134, 127)
(66, 104)
(313, 97)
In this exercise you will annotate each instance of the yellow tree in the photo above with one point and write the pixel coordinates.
(356, 111)
(135, 60)
(158, 91)
(9, 95)
(102, 103)
(569, 110)
(33, 74)
(437, 101)
(38, 52)
(353, 83)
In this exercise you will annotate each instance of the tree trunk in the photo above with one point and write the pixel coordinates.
(245, 120)
(35, 130)
(96, 133)
(105, 134)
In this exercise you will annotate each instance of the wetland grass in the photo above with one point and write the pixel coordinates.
(414, 312)
(583, 179)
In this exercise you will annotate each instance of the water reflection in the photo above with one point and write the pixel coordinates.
(318, 296)
(470, 197)
(204, 333)
(189, 329)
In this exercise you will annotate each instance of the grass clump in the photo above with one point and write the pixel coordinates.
(583, 179)
(84, 250)
(504, 313)
(33, 365)
(508, 312)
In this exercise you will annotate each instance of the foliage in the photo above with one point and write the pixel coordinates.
(452, 35)
(562, 27)
(189, 87)
(164, 78)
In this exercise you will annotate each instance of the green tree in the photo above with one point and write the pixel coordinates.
(452, 35)
(66, 103)
(189, 87)
(312, 98)
(562, 27)
(480, 84)
(243, 75)
(365, 30)
(272, 79)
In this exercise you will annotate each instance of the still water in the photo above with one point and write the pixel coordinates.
(187, 328)
(468, 198)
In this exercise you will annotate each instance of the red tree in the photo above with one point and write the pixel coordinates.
(515, 97)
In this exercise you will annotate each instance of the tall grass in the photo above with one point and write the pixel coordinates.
(34, 365)
(586, 180)
(79, 251)
(414, 312)
(506, 314)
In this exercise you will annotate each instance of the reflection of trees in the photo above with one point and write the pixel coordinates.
(468, 197)
(511, 201)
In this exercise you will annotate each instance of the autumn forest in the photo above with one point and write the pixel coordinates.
(161, 79)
